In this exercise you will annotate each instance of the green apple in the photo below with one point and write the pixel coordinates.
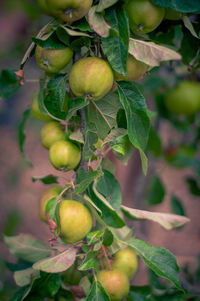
(184, 99)
(69, 10)
(135, 70)
(50, 133)
(64, 155)
(173, 15)
(91, 77)
(126, 261)
(48, 194)
(143, 15)
(115, 283)
(75, 221)
(43, 6)
(53, 60)
(35, 110)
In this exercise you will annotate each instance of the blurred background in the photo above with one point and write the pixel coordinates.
(19, 21)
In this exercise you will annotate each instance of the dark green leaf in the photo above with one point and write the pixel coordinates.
(109, 216)
(94, 237)
(97, 293)
(50, 179)
(176, 206)
(51, 42)
(154, 144)
(137, 117)
(109, 187)
(185, 6)
(90, 139)
(21, 294)
(80, 42)
(107, 238)
(159, 259)
(116, 45)
(47, 285)
(75, 104)
(84, 179)
(155, 191)
(123, 148)
(193, 186)
(140, 293)
(90, 261)
(9, 83)
(56, 96)
(22, 130)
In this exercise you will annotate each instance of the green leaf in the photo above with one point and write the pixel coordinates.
(137, 117)
(97, 293)
(176, 206)
(186, 6)
(90, 139)
(21, 294)
(50, 42)
(159, 259)
(189, 26)
(109, 216)
(114, 134)
(103, 4)
(50, 179)
(9, 83)
(54, 100)
(193, 186)
(103, 114)
(22, 130)
(84, 179)
(94, 237)
(109, 187)
(140, 293)
(107, 238)
(90, 261)
(75, 104)
(123, 148)
(116, 45)
(58, 263)
(25, 277)
(27, 248)
(154, 144)
(46, 286)
(97, 22)
(155, 191)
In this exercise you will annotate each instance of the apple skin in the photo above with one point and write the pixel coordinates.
(75, 221)
(52, 60)
(135, 70)
(184, 99)
(143, 15)
(43, 6)
(91, 77)
(48, 194)
(35, 110)
(69, 10)
(126, 261)
(173, 15)
(50, 133)
(115, 283)
(64, 155)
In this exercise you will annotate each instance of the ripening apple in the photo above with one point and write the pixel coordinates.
(115, 283)
(52, 60)
(91, 77)
(173, 15)
(64, 155)
(143, 15)
(126, 261)
(51, 133)
(48, 194)
(35, 110)
(69, 10)
(135, 70)
(184, 99)
(75, 221)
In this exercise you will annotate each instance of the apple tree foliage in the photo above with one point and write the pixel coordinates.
(124, 123)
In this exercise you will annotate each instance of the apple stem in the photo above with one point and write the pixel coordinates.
(106, 258)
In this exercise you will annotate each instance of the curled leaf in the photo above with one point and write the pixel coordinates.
(97, 22)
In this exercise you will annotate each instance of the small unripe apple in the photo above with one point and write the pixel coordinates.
(64, 155)
(53, 60)
(91, 77)
(126, 261)
(173, 15)
(184, 99)
(75, 221)
(35, 110)
(115, 283)
(48, 194)
(143, 15)
(51, 133)
(135, 70)
(69, 10)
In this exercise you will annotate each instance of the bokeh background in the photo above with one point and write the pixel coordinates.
(19, 21)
